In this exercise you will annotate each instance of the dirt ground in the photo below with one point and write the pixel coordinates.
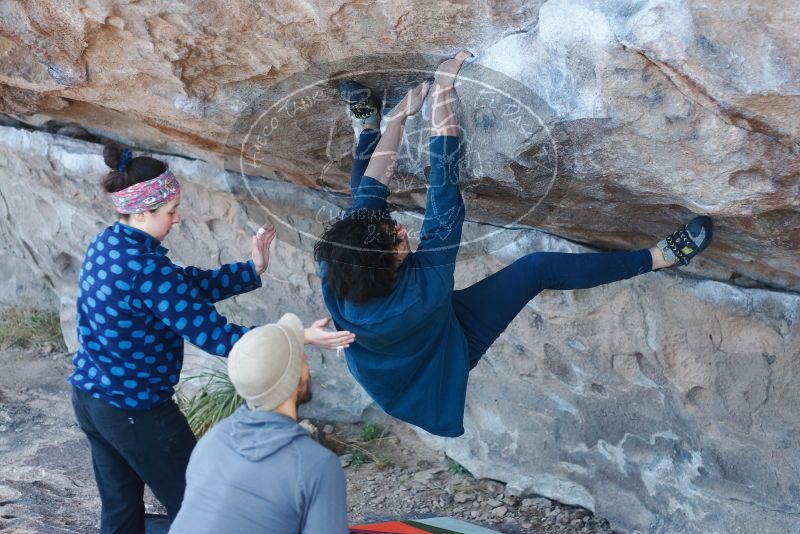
(47, 484)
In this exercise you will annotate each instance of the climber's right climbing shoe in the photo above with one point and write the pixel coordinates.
(681, 246)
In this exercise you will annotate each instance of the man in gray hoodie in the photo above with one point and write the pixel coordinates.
(258, 470)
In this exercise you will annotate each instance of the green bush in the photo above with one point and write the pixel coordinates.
(370, 431)
(357, 458)
(456, 468)
(215, 400)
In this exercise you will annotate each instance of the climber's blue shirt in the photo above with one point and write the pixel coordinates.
(135, 308)
(410, 353)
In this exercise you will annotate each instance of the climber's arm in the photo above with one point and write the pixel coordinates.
(382, 163)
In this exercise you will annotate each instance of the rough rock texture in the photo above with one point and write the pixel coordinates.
(665, 403)
(617, 118)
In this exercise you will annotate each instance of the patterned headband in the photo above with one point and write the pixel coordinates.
(147, 196)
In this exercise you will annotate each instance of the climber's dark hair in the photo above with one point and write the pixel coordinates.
(135, 170)
(361, 263)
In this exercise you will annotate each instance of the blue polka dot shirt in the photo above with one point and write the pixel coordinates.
(135, 308)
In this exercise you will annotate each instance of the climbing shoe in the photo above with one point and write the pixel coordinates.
(363, 104)
(687, 242)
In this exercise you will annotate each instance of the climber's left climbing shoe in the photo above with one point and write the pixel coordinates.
(687, 242)
(362, 103)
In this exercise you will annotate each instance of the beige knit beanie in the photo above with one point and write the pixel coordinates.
(264, 365)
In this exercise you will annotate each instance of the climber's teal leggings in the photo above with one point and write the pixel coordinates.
(486, 308)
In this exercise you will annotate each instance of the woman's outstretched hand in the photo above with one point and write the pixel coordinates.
(260, 247)
(317, 335)
(443, 117)
(412, 102)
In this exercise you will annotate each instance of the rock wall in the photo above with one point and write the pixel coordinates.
(634, 112)
(664, 403)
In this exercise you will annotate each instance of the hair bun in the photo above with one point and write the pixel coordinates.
(116, 156)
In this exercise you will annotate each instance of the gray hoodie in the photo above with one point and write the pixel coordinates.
(259, 471)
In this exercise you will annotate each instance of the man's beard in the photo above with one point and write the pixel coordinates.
(304, 392)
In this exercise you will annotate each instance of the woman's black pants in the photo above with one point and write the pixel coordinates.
(131, 448)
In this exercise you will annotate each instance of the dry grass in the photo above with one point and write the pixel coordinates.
(26, 327)
(367, 447)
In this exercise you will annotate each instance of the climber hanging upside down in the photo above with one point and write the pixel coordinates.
(416, 338)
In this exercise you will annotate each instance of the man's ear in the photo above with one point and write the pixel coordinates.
(138, 217)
